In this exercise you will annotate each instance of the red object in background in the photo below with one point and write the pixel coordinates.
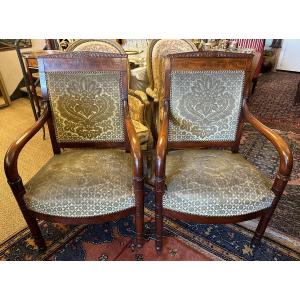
(257, 44)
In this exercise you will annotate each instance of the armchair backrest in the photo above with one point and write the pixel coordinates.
(87, 96)
(205, 92)
(156, 55)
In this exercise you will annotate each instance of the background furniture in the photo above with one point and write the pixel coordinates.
(297, 97)
(3, 94)
(255, 46)
(289, 55)
(86, 107)
(156, 55)
(136, 50)
(33, 79)
(34, 104)
(258, 45)
(205, 107)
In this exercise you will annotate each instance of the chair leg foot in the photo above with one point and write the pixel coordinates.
(261, 228)
(158, 245)
(41, 244)
(38, 238)
(36, 233)
(256, 239)
(139, 241)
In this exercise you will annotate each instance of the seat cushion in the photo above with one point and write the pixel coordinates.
(214, 183)
(81, 183)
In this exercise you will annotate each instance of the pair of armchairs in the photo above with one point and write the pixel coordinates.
(98, 176)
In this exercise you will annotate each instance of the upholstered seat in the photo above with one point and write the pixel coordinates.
(82, 183)
(214, 183)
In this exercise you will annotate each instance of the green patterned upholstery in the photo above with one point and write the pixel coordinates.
(136, 107)
(205, 105)
(82, 183)
(86, 106)
(214, 183)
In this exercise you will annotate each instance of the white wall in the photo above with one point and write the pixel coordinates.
(10, 67)
(289, 59)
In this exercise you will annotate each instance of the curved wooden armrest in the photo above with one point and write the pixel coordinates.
(161, 148)
(152, 94)
(285, 154)
(134, 147)
(12, 154)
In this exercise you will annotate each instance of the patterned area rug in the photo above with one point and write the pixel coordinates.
(273, 101)
(114, 241)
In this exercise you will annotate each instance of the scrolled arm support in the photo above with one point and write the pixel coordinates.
(12, 154)
(285, 154)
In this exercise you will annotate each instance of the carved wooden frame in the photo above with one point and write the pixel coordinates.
(225, 61)
(80, 61)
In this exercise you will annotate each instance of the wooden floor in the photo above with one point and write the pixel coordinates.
(14, 120)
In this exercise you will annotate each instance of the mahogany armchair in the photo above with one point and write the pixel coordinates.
(205, 107)
(156, 55)
(94, 179)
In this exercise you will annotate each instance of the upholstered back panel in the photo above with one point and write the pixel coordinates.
(159, 53)
(205, 105)
(86, 106)
(107, 46)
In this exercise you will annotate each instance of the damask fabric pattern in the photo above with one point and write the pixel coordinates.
(86, 106)
(159, 53)
(82, 183)
(214, 183)
(205, 105)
